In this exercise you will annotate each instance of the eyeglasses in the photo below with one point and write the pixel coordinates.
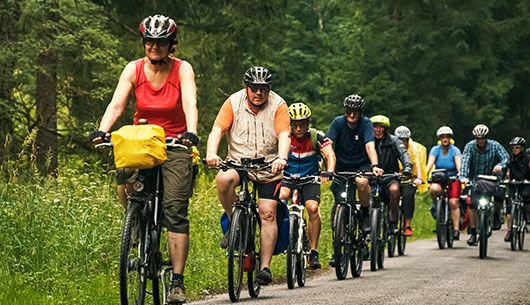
(262, 88)
(349, 111)
(160, 42)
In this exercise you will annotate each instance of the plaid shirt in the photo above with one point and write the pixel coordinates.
(475, 163)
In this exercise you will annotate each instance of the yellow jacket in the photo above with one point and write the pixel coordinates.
(417, 153)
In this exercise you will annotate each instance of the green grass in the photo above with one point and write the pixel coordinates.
(60, 237)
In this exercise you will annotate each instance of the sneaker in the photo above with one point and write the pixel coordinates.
(456, 235)
(472, 241)
(332, 261)
(177, 293)
(408, 231)
(497, 224)
(264, 277)
(508, 236)
(313, 260)
(366, 226)
(224, 241)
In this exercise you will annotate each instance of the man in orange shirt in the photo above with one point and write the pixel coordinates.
(257, 124)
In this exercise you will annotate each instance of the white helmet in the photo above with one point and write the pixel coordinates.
(402, 132)
(444, 130)
(480, 131)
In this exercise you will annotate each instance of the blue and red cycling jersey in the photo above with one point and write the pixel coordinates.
(303, 159)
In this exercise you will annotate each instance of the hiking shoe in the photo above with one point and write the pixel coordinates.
(177, 293)
(472, 241)
(366, 226)
(497, 223)
(332, 261)
(313, 260)
(264, 277)
(508, 236)
(408, 231)
(224, 241)
(456, 235)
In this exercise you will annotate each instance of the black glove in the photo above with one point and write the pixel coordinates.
(407, 175)
(97, 134)
(326, 174)
(190, 136)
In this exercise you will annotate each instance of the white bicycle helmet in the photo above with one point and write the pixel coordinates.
(402, 132)
(480, 131)
(444, 130)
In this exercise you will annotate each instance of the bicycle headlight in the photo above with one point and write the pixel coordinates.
(483, 202)
(138, 186)
(343, 195)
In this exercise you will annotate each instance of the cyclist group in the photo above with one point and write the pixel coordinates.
(259, 124)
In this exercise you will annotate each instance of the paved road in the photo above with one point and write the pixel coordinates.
(425, 275)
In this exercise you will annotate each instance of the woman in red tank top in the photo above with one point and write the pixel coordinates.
(165, 92)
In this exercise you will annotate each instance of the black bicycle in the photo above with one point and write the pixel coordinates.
(518, 223)
(244, 231)
(349, 240)
(144, 253)
(444, 221)
(381, 233)
(485, 216)
(399, 238)
(298, 250)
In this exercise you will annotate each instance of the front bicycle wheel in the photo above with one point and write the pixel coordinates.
(521, 229)
(441, 225)
(302, 260)
(374, 238)
(340, 242)
(236, 253)
(253, 249)
(450, 231)
(401, 238)
(514, 226)
(133, 275)
(483, 231)
(384, 229)
(291, 250)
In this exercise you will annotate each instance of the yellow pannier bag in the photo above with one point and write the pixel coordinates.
(139, 146)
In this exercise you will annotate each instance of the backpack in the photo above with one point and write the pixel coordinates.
(314, 140)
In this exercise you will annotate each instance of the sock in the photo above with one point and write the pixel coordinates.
(177, 277)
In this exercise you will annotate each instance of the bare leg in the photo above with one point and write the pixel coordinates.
(363, 189)
(178, 249)
(454, 205)
(394, 201)
(269, 230)
(226, 184)
(314, 223)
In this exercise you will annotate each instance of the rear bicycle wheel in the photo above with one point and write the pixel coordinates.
(133, 276)
(391, 245)
(291, 254)
(164, 266)
(441, 225)
(483, 231)
(236, 251)
(357, 253)
(521, 230)
(340, 243)
(374, 238)
(514, 227)
(401, 238)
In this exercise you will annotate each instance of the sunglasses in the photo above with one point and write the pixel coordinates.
(160, 42)
(349, 111)
(262, 88)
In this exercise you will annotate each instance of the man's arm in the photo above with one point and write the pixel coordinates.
(284, 143)
(466, 159)
(213, 144)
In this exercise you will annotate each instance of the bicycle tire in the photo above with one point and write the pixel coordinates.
(441, 226)
(253, 247)
(236, 250)
(301, 262)
(483, 237)
(164, 261)
(450, 231)
(374, 236)
(401, 238)
(340, 243)
(133, 277)
(521, 230)
(384, 229)
(514, 227)
(357, 255)
(391, 246)
(291, 254)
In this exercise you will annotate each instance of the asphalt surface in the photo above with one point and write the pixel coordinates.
(425, 275)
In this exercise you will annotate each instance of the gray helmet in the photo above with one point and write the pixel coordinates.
(480, 131)
(402, 132)
(444, 130)
(354, 101)
(518, 141)
(258, 76)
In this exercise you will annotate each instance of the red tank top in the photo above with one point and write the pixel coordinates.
(162, 106)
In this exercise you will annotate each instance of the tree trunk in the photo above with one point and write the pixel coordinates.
(46, 98)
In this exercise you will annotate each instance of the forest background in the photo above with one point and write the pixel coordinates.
(422, 63)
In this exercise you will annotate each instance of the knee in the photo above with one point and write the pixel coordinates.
(394, 190)
(226, 182)
(312, 208)
(285, 193)
(267, 214)
(434, 189)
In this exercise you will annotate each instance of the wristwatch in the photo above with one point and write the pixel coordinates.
(282, 158)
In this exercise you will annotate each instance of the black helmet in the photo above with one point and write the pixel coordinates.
(354, 101)
(518, 141)
(159, 27)
(258, 76)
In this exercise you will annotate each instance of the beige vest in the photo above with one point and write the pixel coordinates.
(253, 136)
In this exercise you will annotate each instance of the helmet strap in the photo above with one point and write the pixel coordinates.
(160, 62)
